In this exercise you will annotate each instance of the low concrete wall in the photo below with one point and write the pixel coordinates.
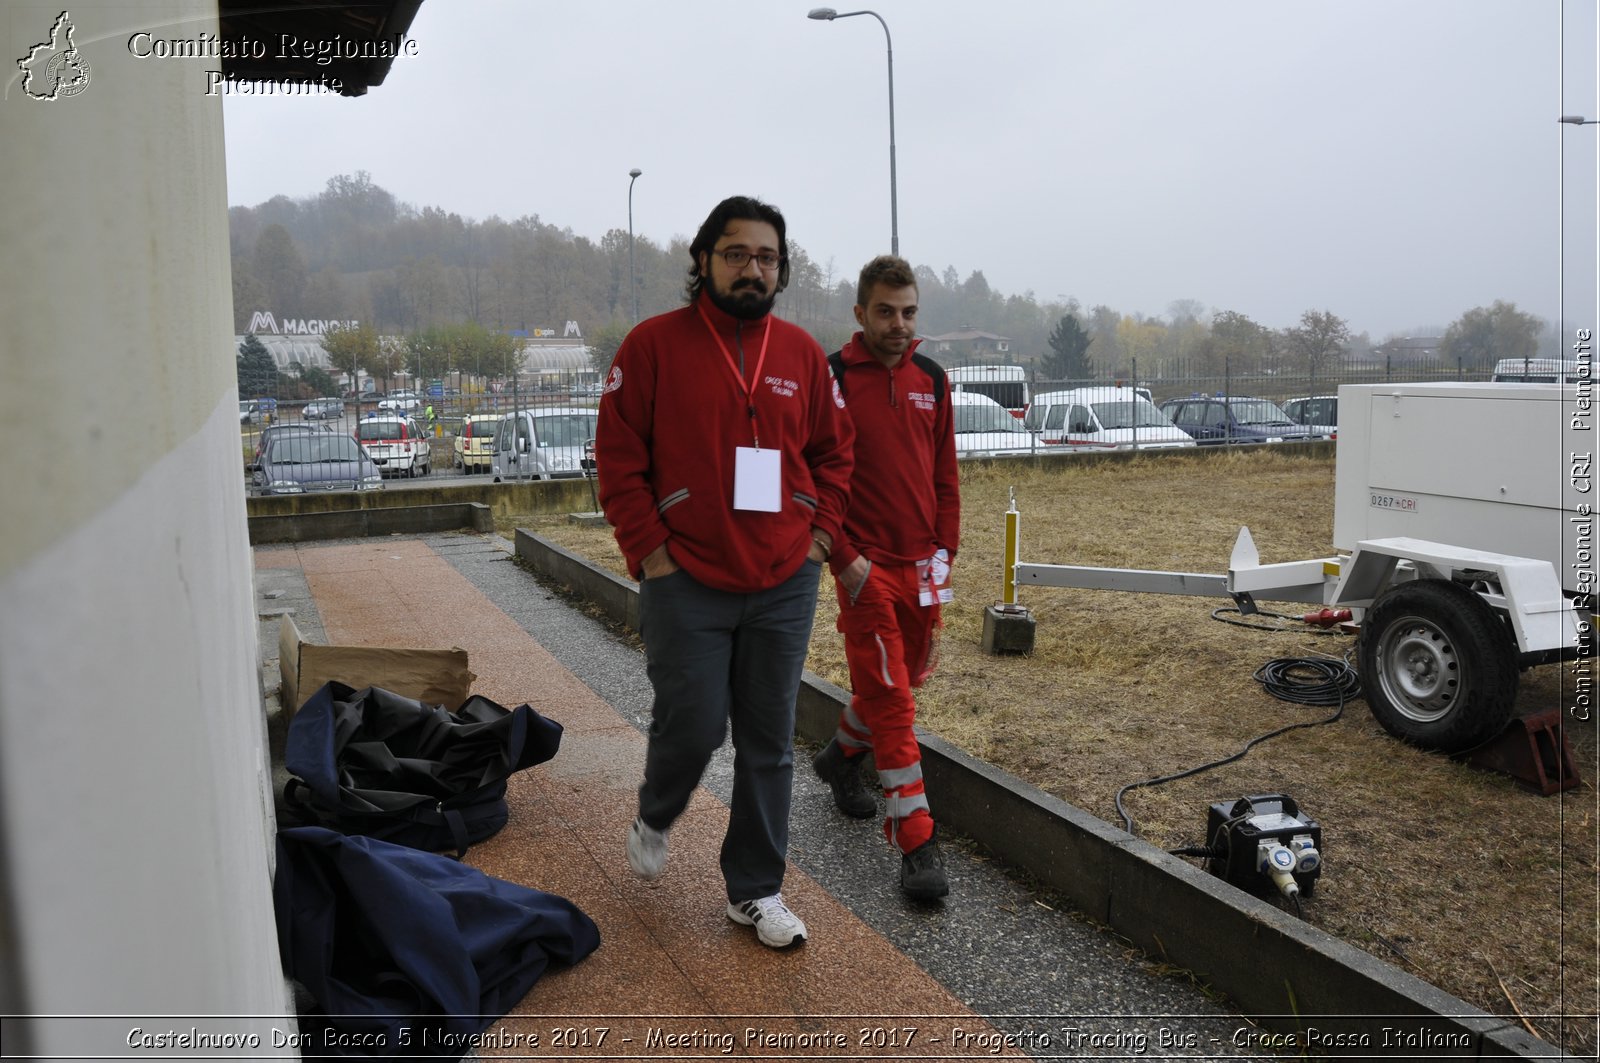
(503, 499)
(1276, 968)
(356, 523)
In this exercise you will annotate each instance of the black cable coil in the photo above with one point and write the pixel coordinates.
(1309, 680)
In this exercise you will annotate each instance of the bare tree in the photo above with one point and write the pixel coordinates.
(1318, 342)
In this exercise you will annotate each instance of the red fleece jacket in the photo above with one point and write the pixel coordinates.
(905, 492)
(671, 414)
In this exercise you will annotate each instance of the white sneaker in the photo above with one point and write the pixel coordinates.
(647, 850)
(775, 924)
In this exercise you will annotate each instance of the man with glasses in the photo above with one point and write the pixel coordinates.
(892, 564)
(724, 460)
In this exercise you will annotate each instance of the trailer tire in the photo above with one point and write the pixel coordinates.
(1438, 667)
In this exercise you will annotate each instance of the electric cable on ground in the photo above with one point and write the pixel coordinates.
(1302, 680)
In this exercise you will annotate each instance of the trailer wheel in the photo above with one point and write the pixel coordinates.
(1438, 668)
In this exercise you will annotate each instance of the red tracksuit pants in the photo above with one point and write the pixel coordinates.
(891, 642)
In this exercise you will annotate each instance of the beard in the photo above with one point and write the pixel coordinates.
(747, 299)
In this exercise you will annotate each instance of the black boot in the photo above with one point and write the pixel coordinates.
(922, 876)
(843, 774)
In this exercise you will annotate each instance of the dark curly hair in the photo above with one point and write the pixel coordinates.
(735, 208)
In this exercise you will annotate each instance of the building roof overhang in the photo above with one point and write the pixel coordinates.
(367, 33)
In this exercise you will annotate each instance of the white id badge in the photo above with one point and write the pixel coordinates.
(757, 479)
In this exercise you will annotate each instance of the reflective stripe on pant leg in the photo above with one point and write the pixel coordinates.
(860, 619)
(880, 675)
(852, 733)
(907, 820)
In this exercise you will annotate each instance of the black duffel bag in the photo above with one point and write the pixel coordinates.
(372, 762)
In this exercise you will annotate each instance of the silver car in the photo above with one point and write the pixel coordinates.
(323, 408)
(321, 461)
(543, 443)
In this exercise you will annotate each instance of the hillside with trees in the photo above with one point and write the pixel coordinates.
(444, 283)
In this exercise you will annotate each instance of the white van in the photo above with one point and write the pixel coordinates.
(1110, 418)
(1005, 384)
(1539, 371)
(543, 443)
(984, 428)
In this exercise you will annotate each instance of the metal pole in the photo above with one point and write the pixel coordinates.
(894, 202)
(828, 14)
(1013, 550)
(633, 280)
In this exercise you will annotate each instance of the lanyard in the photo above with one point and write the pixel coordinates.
(749, 398)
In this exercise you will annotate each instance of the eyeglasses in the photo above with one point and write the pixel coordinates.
(738, 258)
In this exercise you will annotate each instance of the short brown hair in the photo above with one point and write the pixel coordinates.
(889, 270)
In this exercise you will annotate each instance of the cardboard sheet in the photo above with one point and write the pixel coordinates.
(438, 677)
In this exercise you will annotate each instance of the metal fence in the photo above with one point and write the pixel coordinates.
(1193, 393)
(1183, 378)
(406, 434)
(984, 428)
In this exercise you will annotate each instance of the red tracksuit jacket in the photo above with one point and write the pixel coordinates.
(905, 501)
(671, 414)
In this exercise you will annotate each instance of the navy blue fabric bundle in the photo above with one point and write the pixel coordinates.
(373, 762)
(409, 953)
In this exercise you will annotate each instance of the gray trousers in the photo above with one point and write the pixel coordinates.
(716, 658)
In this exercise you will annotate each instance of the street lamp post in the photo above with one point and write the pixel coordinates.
(633, 280)
(1578, 119)
(828, 14)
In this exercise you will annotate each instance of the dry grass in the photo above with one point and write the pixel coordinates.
(1454, 874)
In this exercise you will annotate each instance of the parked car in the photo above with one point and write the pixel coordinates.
(1219, 419)
(1319, 411)
(323, 409)
(474, 443)
(281, 431)
(255, 411)
(1103, 418)
(397, 444)
(402, 401)
(542, 443)
(297, 462)
(985, 428)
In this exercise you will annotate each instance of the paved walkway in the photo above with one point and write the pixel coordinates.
(997, 968)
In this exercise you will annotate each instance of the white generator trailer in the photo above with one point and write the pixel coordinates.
(1463, 518)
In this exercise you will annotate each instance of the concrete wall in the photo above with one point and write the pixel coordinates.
(505, 499)
(135, 818)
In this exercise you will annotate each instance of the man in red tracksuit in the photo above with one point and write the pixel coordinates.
(891, 565)
(723, 453)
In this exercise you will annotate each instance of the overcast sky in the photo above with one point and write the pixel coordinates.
(1394, 161)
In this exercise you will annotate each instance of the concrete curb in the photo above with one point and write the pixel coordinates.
(358, 523)
(1278, 970)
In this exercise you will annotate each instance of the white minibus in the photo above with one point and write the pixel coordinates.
(1005, 384)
